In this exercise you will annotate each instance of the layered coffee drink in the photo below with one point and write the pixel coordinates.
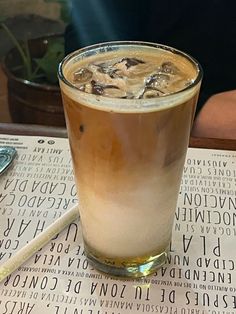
(129, 109)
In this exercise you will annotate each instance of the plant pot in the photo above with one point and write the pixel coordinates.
(30, 102)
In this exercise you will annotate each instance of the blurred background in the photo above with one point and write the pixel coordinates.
(32, 44)
(22, 21)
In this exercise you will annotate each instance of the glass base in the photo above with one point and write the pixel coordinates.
(128, 269)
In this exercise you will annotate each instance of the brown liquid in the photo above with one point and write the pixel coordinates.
(128, 167)
(116, 155)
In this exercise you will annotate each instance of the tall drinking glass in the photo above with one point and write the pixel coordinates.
(129, 108)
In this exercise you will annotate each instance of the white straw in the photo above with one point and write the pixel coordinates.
(37, 243)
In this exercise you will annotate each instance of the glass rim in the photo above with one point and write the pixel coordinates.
(109, 46)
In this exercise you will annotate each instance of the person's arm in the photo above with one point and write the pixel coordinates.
(217, 118)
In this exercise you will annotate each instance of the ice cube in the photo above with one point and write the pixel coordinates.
(97, 88)
(108, 69)
(151, 93)
(114, 91)
(107, 90)
(87, 88)
(157, 80)
(128, 62)
(169, 67)
(82, 75)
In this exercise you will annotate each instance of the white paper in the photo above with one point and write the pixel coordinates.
(200, 276)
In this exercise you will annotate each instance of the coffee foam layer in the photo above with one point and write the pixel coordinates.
(130, 81)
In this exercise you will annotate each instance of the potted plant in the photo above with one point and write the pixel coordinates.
(31, 69)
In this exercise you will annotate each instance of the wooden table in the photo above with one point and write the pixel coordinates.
(23, 129)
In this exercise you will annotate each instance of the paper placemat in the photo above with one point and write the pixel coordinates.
(199, 277)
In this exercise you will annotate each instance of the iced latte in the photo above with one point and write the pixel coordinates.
(129, 108)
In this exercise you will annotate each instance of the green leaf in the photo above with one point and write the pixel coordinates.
(2, 19)
(23, 53)
(49, 62)
(42, 69)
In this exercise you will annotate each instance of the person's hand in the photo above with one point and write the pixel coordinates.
(217, 119)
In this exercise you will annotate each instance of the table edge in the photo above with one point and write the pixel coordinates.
(40, 130)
